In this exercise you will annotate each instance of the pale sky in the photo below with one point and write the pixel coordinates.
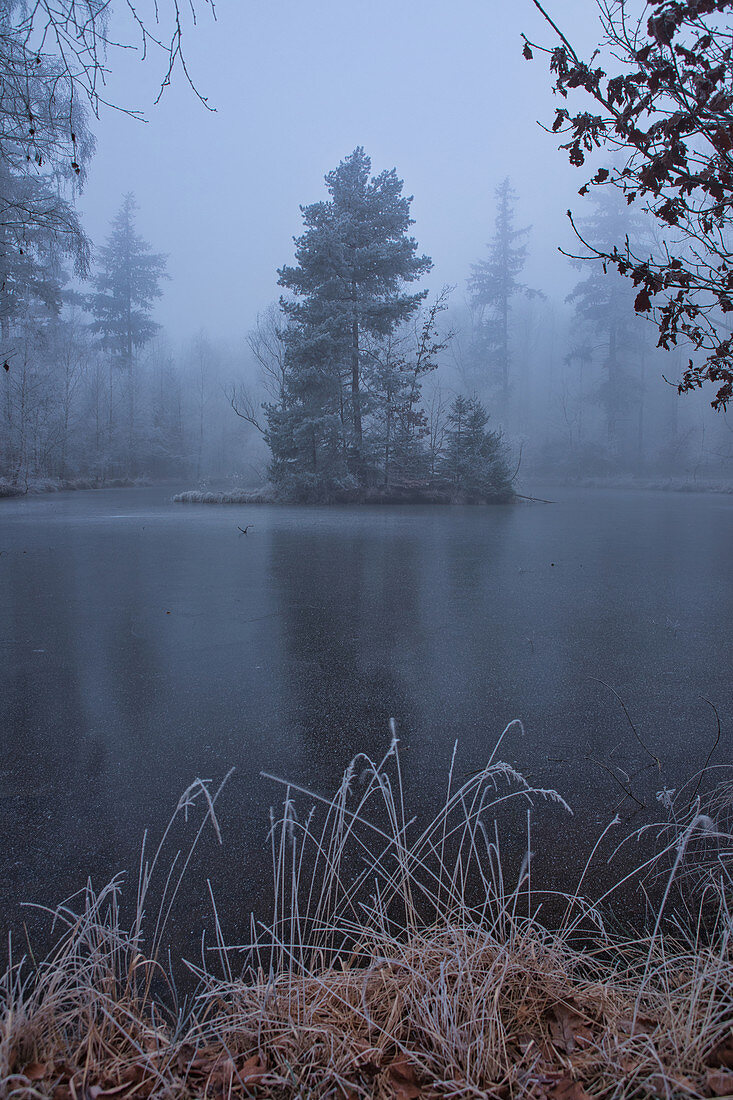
(437, 90)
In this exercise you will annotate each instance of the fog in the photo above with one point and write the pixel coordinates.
(281, 94)
(441, 92)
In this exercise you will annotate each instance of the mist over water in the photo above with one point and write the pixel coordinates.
(148, 643)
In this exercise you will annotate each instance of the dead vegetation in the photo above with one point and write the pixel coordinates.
(399, 963)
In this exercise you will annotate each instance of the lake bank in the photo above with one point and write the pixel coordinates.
(47, 485)
(399, 494)
(646, 484)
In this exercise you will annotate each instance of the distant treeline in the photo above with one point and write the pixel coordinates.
(355, 382)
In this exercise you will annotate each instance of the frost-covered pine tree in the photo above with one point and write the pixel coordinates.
(353, 263)
(474, 461)
(126, 285)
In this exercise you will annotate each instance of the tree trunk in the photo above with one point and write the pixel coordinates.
(110, 418)
(355, 391)
(130, 395)
(505, 347)
(612, 399)
(388, 439)
(640, 425)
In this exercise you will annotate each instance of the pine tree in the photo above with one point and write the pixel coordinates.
(126, 286)
(353, 261)
(494, 284)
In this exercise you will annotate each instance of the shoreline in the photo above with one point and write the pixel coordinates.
(656, 485)
(53, 486)
(347, 496)
(49, 486)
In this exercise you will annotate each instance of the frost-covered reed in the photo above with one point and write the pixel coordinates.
(402, 959)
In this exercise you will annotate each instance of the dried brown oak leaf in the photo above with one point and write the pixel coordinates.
(569, 1029)
(401, 1076)
(568, 1089)
(253, 1070)
(35, 1071)
(720, 1082)
(722, 1054)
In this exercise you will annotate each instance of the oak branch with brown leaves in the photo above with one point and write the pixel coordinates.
(661, 95)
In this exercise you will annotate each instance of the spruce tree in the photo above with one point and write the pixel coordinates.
(353, 262)
(494, 283)
(474, 461)
(126, 286)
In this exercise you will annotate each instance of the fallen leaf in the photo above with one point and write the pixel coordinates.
(35, 1071)
(253, 1070)
(568, 1029)
(402, 1078)
(720, 1082)
(666, 1084)
(722, 1054)
(133, 1075)
(642, 1025)
(567, 1089)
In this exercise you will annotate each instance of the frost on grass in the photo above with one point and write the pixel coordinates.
(403, 959)
(232, 496)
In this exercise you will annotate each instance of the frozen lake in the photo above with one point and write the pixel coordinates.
(146, 643)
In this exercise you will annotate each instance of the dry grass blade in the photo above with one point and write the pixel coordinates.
(398, 964)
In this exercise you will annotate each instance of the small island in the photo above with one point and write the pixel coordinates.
(343, 362)
(470, 469)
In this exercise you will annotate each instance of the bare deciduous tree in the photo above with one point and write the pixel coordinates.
(267, 343)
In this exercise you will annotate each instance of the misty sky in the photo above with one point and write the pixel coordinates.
(437, 90)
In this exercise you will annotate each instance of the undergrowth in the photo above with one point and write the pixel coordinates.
(400, 962)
